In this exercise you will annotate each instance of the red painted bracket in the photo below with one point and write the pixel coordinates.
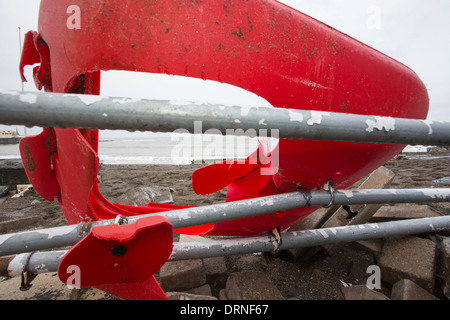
(122, 259)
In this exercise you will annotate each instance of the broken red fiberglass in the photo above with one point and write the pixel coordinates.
(263, 46)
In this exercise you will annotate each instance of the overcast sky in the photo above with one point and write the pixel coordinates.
(414, 32)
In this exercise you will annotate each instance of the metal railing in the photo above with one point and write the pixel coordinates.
(69, 235)
(42, 262)
(94, 112)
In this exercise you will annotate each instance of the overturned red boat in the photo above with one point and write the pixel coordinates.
(263, 46)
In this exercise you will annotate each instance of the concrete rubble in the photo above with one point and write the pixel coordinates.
(142, 196)
(443, 265)
(411, 258)
(408, 272)
(251, 286)
(182, 275)
(406, 289)
(361, 292)
(242, 285)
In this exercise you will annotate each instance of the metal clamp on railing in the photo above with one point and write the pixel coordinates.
(26, 276)
(330, 187)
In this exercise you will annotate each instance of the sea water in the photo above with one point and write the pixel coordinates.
(172, 148)
(159, 148)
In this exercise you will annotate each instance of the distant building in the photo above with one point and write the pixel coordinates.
(9, 137)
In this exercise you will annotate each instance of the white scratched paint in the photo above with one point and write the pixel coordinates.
(89, 99)
(323, 233)
(245, 110)
(268, 202)
(428, 123)
(262, 122)
(381, 123)
(316, 117)
(130, 100)
(295, 116)
(28, 98)
(12, 93)
(17, 265)
(58, 231)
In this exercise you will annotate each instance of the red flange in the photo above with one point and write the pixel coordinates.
(122, 258)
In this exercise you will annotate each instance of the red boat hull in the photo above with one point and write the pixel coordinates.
(265, 47)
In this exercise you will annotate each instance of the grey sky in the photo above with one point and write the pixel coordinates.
(414, 32)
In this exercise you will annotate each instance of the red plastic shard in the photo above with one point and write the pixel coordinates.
(37, 154)
(223, 172)
(30, 55)
(35, 51)
(122, 257)
(227, 171)
(76, 180)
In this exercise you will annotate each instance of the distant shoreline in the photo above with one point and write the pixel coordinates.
(117, 151)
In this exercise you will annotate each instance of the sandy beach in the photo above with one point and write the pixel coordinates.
(319, 278)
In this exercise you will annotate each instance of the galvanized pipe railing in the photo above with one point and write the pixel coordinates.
(41, 262)
(308, 238)
(96, 112)
(45, 239)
